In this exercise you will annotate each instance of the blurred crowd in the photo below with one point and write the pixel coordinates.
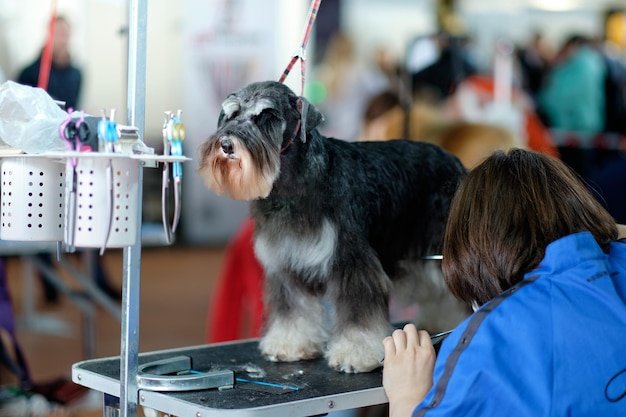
(530, 95)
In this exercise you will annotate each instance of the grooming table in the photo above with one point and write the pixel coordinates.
(305, 388)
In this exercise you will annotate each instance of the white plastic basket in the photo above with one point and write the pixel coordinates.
(33, 191)
(100, 214)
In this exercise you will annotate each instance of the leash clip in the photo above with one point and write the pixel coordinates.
(301, 52)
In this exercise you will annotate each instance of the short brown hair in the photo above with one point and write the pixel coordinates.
(506, 212)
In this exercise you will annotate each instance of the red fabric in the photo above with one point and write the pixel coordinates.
(237, 308)
(539, 137)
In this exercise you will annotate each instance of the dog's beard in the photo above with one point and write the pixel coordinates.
(236, 174)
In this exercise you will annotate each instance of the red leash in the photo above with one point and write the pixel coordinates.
(46, 55)
(300, 54)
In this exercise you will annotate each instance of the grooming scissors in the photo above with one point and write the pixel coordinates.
(74, 133)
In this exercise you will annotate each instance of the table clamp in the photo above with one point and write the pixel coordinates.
(175, 374)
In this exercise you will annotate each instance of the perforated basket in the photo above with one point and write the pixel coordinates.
(93, 210)
(32, 199)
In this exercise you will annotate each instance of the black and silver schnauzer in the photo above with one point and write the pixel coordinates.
(336, 222)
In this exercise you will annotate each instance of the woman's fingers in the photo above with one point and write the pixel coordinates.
(399, 338)
(408, 339)
(408, 367)
(411, 333)
(390, 346)
(424, 340)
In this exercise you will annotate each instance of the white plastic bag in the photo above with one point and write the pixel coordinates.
(30, 119)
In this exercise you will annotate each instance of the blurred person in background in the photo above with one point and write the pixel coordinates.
(573, 97)
(534, 60)
(612, 49)
(348, 84)
(65, 79)
(439, 79)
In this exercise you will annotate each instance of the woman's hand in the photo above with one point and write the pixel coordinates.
(408, 369)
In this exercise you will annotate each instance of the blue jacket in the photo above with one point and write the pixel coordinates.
(553, 345)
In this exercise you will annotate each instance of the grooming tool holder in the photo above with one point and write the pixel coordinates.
(36, 203)
(105, 203)
(33, 195)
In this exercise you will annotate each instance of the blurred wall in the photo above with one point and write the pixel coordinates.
(228, 44)
(100, 46)
(389, 24)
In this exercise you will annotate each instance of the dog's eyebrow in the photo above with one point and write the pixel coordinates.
(258, 106)
(230, 106)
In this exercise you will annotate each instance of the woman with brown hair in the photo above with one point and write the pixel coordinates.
(538, 258)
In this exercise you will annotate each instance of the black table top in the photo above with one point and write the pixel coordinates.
(309, 379)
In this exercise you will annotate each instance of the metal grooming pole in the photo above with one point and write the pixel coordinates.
(136, 97)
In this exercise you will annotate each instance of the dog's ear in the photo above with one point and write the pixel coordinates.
(310, 115)
(220, 119)
(230, 106)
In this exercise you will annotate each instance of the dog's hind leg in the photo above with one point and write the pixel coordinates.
(421, 284)
(360, 298)
(296, 328)
(358, 348)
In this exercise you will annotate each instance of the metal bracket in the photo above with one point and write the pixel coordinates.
(173, 374)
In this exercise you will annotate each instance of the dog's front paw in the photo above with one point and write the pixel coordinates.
(285, 350)
(356, 351)
(292, 342)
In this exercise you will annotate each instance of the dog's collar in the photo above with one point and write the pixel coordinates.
(293, 137)
(298, 125)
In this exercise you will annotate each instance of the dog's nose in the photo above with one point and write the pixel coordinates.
(227, 146)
